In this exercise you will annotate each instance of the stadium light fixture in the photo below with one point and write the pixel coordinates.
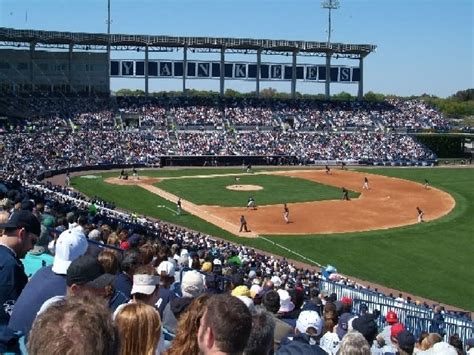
(330, 5)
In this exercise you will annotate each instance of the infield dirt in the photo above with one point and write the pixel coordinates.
(389, 203)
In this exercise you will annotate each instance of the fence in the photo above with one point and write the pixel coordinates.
(417, 319)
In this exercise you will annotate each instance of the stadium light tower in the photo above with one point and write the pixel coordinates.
(330, 5)
(108, 44)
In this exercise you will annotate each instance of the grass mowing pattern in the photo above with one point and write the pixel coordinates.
(433, 259)
(276, 190)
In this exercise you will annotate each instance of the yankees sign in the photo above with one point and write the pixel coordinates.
(232, 70)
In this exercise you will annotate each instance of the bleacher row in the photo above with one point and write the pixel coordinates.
(184, 112)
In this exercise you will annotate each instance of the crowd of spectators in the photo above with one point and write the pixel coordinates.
(97, 112)
(42, 151)
(120, 283)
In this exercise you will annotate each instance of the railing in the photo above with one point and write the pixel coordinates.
(415, 318)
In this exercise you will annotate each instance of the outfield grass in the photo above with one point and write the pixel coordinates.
(432, 260)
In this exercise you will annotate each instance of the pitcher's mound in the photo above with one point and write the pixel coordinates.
(244, 187)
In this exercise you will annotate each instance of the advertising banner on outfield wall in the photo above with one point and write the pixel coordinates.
(232, 70)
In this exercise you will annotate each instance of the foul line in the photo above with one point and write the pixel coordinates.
(291, 251)
(163, 206)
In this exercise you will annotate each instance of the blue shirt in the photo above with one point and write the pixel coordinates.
(12, 281)
(124, 284)
(42, 286)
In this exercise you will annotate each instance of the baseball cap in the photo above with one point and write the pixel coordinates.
(144, 283)
(206, 267)
(86, 270)
(391, 317)
(241, 291)
(167, 268)
(192, 284)
(343, 324)
(309, 319)
(23, 219)
(286, 305)
(70, 245)
(406, 341)
(366, 326)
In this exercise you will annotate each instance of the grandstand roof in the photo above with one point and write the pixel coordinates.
(101, 39)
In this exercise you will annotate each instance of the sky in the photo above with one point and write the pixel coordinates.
(423, 46)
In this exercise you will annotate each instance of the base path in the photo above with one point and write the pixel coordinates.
(389, 203)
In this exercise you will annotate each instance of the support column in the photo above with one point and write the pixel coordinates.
(146, 70)
(360, 93)
(69, 71)
(222, 71)
(108, 63)
(328, 76)
(293, 77)
(32, 65)
(185, 66)
(259, 65)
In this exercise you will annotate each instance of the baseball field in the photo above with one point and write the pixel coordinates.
(374, 236)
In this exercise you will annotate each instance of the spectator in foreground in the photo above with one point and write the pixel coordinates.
(307, 331)
(271, 302)
(354, 343)
(186, 341)
(261, 336)
(49, 281)
(225, 326)
(75, 326)
(139, 329)
(18, 236)
(192, 285)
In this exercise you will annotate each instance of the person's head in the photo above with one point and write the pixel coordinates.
(148, 251)
(146, 285)
(405, 342)
(130, 261)
(271, 301)
(330, 320)
(186, 341)
(166, 271)
(139, 328)
(75, 325)
(86, 275)
(109, 261)
(225, 325)
(366, 326)
(192, 284)
(430, 340)
(71, 244)
(354, 343)
(391, 317)
(20, 232)
(309, 323)
(261, 336)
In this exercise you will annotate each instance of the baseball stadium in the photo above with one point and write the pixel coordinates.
(358, 204)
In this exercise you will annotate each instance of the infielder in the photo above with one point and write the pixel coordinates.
(286, 213)
(426, 184)
(345, 194)
(420, 215)
(251, 203)
(366, 184)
